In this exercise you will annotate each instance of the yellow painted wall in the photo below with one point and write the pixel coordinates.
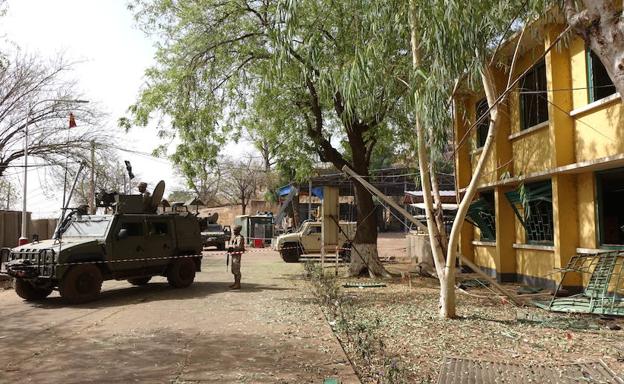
(578, 65)
(535, 263)
(586, 191)
(485, 256)
(599, 132)
(531, 153)
(489, 174)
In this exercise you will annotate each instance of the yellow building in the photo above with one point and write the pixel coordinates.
(554, 183)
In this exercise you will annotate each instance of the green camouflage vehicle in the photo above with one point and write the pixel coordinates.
(92, 248)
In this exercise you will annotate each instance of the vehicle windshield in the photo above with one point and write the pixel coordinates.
(214, 228)
(87, 228)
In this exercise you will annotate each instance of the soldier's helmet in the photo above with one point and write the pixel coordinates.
(237, 229)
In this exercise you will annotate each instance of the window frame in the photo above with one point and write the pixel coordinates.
(534, 193)
(599, 206)
(477, 216)
(533, 72)
(481, 136)
(591, 87)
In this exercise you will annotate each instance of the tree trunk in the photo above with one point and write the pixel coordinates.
(295, 211)
(364, 254)
(602, 28)
(448, 288)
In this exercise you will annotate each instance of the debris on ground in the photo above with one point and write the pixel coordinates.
(466, 370)
(403, 317)
(363, 285)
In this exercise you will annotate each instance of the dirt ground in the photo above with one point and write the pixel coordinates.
(487, 327)
(269, 332)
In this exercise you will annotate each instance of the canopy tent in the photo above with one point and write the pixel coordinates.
(285, 190)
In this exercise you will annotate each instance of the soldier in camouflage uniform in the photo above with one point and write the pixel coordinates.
(236, 249)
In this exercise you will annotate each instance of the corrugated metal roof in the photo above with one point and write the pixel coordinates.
(456, 370)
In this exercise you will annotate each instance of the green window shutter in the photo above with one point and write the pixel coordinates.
(481, 215)
(536, 208)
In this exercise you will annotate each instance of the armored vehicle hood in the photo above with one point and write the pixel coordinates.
(69, 243)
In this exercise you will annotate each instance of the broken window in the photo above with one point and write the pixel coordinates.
(599, 82)
(610, 186)
(484, 124)
(532, 204)
(533, 97)
(481, 214)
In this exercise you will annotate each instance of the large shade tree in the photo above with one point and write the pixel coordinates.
(338, 69)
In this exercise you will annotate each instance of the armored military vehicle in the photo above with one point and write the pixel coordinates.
(212, 233)
(307, 240)
(133, 243)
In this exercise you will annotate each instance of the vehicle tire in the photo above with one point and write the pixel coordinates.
(82, 283)
(27, 291)
(221, 247)
(345, 253)
(291, 253)
(181, 273)
(140, 280)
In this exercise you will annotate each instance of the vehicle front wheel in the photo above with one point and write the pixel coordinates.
(81, 283)
(27, 291)
(291, 253)
(221, 247)
(140, 280)
(181, 273)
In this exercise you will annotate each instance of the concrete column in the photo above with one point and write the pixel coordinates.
(505, 237)
(331, 216)
(559, 83)
(565, 217)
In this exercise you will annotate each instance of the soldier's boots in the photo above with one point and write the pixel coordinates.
(236, 284)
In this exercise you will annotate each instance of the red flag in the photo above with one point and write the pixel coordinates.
(72, 120)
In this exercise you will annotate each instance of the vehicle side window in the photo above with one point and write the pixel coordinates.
(133, 229)
(314, 229)
(158, 228)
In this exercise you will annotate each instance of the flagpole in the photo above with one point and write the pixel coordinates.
(23, 239)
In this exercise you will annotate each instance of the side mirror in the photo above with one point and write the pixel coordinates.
(123, 234)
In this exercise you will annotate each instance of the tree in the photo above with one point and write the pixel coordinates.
(241, 181)
(34, 95)
(334, 68)
(599, 23)
(9, 194)
(110, 175)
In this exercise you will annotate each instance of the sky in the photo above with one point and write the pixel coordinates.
(112, 54)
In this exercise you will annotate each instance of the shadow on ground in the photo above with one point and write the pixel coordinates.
(155, 291)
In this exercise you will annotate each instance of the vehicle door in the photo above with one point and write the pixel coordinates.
(311, 238)
(128, 244)
(159, 246)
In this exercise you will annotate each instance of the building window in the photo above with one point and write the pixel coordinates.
(482, 215)
(532, 204)
(610, 188)
(533, 97)
(483, 125)
(598, 80)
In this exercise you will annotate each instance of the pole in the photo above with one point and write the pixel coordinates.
(92, 184)
(310, 199)
(23, 238)
(8, 196)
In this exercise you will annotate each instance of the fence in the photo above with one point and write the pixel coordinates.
(11, 224)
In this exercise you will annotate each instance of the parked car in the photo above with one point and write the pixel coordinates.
(307, 240)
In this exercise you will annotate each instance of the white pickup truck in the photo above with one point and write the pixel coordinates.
(307, 240)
